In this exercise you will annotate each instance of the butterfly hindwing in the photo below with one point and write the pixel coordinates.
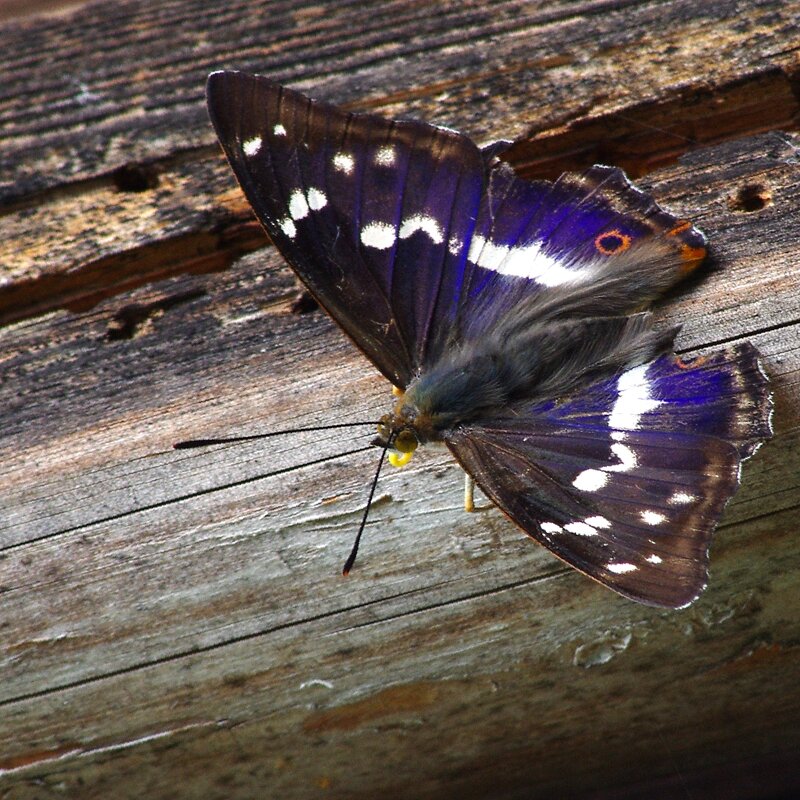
(626, 479)
(724, 395)
(589, 244)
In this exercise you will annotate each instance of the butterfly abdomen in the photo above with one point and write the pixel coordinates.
(518, 364)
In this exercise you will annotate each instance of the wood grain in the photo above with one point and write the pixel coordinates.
(174, 622)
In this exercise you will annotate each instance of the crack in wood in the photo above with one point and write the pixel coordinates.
(648, 136)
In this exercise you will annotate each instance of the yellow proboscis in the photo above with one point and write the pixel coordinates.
(399, 459)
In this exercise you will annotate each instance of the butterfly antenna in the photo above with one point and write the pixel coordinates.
(189, 443)
(348, 565)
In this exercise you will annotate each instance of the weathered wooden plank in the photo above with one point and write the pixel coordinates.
(176, 619)
(128, 135)
(526, 683)
(79, 380)
(165, 588)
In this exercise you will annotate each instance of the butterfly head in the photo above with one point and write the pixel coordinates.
(403, 430)
(399, 437)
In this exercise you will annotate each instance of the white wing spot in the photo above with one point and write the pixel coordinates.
(252, 146)
(385, 156)
(550, 527)
(379, 235)
(581, 529)
(317, 199)
(681, 498)
(454, 245)
(633, 399)
(421, 222)
(590, 480)
(597, 522)
(486, 254)
(654, 559)
(288, 227)
(524, 261)
(344, 163)
(621, 568)
(298, 205)
(653, 517)
(279, 130)
(627, 459)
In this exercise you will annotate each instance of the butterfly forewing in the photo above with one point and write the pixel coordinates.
(412, 238)
(365, 209)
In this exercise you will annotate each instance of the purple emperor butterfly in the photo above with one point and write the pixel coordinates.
(508, 314)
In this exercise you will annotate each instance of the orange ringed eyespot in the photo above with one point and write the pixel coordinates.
(690, 363)
(611, 243)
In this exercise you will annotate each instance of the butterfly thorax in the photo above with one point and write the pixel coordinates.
(455, 390)
(462, 386)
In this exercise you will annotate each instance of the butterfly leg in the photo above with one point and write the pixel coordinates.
(469, 493)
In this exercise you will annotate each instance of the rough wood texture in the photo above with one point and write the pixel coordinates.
(174, 623)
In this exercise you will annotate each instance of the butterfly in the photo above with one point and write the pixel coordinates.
(510, 316)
